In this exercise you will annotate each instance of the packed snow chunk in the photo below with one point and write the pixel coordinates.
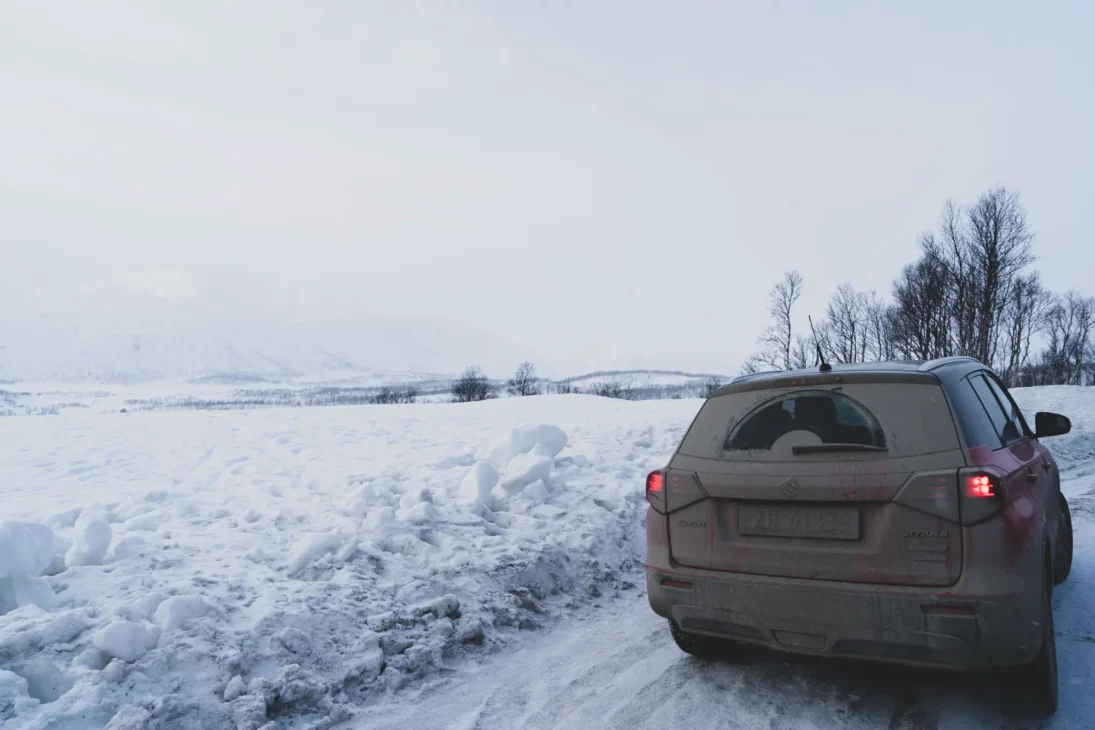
(422, 513)
(527, 468)
(123, 640)
(312, 548)
(26, 549)
(14, 699)
(295, 640)
(366, 660)
(18, 590)
(378, 518)
(176, 611)
(130, 718)
(478, 482)
(446, 605)
(537, 492)
(470, 631)
(236, 688)
(91, 540)
(523, 439)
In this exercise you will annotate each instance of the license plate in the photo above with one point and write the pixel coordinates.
(826, 523)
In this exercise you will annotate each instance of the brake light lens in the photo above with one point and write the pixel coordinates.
(655, 490)
(981, 486)
(984, 494)
(655, 482)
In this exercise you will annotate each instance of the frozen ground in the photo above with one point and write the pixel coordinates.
(223, 569)
(410, 566)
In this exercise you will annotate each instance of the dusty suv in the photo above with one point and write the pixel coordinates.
(902, 512)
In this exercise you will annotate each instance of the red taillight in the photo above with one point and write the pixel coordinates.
(655, 482)
(981, 486)
(655, 491)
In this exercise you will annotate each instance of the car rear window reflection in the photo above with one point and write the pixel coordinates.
(834, 418)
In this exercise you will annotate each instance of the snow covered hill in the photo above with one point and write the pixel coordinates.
(157, 341)
(393, 566)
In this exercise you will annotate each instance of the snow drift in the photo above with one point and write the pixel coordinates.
(222, 570)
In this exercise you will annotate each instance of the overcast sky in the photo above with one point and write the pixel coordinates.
(611, 182)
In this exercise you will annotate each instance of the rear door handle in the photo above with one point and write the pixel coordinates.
(1032, 476)
(1047, 465)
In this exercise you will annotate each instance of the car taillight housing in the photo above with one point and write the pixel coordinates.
(655, 490)
(983, 494)
(671, 490)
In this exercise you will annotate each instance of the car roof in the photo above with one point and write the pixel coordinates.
(863, 368)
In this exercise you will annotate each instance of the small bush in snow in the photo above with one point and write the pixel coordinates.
(565, 388)
(615, 389)
(709, 387)
(524, 381)
(387, 396)
(473, 385)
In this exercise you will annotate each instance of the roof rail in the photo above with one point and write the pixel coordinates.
(941, 361)
(750, 376)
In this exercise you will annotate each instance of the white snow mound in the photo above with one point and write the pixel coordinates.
(523, 439)
(123, 640)
(526, 468)
(178, 610)
(26, 549)
(91, 540)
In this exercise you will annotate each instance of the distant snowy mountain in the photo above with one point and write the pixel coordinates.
(159, 340)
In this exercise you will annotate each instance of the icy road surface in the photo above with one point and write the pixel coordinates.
(411, 566)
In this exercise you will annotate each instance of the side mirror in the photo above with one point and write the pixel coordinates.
(1050, 424)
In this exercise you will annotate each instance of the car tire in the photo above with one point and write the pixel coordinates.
(699, 645)
(1040, 676)
(1062, 563)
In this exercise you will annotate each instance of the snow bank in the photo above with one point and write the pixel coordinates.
(221, 570)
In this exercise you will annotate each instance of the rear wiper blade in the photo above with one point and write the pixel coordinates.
(834, 448)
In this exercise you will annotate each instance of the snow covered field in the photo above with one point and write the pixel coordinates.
(427, 565)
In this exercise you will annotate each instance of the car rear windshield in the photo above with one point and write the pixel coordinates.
(861, 420)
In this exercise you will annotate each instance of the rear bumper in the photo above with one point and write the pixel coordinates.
(875, 622)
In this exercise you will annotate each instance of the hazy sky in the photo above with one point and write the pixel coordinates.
(615, 181)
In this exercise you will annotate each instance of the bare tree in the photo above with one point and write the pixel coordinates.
(1023, 316)
(524, 381)
(1068, 339)
(921, 315)
(710, 386)
(878, 328)
(776, 339)
(565, 387)
(473, 385)
(752, 364)
(802, 353)
(846, 326)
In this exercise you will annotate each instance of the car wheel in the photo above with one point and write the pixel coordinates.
(1041, 675)
(698, 645)
(1063, 562)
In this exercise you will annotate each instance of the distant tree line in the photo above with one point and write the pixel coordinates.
(971, 291)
